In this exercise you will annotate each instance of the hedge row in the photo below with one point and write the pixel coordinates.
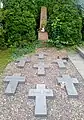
(20, 20)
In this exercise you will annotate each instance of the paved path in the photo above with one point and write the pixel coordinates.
(78, 62)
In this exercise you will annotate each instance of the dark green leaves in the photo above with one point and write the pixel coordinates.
(64, 24)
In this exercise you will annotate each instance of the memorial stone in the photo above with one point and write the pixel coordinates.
(40, 95)
(21, 62)
(41, 55)
(69, 84)
(60, 63)
(13, 82)
(41, 68)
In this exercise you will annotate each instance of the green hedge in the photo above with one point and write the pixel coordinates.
(20, 27)
(21, 22)
(64, 24)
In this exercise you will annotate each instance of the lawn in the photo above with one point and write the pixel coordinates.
(5, 58)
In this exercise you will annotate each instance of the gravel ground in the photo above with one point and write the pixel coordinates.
(60, 107)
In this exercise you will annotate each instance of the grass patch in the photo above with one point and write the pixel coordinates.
(5, 58)
(19, 52)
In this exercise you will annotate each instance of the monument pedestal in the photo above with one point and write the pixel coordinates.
(42, 36)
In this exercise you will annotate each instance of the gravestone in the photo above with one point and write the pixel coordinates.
(41, 68)
(41, 55)
(42, 35)
(69, 84)
(60, 63)
(21, 62)
(40, 95)
(13, 82)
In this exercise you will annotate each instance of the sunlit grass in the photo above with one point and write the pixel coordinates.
(5, 58)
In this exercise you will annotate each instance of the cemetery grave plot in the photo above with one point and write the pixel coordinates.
(13, 82)
(59, 107)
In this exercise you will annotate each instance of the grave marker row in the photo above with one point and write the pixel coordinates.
(66, 79)
(41, 93)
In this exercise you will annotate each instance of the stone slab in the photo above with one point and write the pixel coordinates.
(42, 36)
(21, 62)
(13, 82)
(69, 85)
(40, 95)
(41, 68)
(41, 55)
(60, 63)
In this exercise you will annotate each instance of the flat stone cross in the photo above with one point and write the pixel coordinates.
(41, 68)
(41, 55)
(13, 83)
(69, 84)
(60, 63)
(21, 62)
(40, 102)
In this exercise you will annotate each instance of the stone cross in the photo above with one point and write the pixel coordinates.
(60, 63)
(69, 84)
(13, 83)
(21, 62)
(41, 68)
(40, 102)
(41, 55)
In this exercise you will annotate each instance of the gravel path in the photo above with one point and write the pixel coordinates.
(60, 107)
